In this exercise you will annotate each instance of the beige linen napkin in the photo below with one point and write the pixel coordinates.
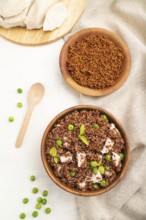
(127, 18)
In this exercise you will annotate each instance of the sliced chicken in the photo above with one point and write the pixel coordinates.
(55, 17)
(15, 21)
(10, 8)
(37, 13)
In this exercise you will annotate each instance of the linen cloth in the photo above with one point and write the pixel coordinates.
(127, 18)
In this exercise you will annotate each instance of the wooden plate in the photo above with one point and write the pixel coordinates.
(57, 180)
(38, 37)
(85, 90)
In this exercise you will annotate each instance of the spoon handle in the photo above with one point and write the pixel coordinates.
(24, 126)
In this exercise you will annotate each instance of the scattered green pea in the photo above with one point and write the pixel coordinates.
(121, 155)
(82, 129)
(70, 127)
(19, 90)
(22, 215)
(95, 186)
(35, 190)
(84, 139)
(72, 173)
(95, 170)
(25, 200)
(32, 178)
(45, 193)
(53, 151)
(105, 117)
(44, 201)
(47, 210)
(95, 126)
(59, 143)
(19, 105)
(108, 157)
(101, 169)
(11, 118)
(39, 200)
(103, 183)
(38, 206)
(35, 214)
(56, 159)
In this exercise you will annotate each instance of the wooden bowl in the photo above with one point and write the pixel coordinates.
(49, 169)
(85, 90)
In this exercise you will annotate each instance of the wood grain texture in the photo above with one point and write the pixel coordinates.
(49, 169)
(85, 90)
(39, 37)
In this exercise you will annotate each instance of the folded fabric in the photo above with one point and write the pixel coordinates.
(128, 104)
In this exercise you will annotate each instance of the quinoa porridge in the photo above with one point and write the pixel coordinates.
(85, 150)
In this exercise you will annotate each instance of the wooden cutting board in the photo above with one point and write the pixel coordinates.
(38, 37)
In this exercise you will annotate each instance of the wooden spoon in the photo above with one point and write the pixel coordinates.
(35, 94)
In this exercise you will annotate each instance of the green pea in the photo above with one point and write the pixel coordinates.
(45, 193)
(101, 169)
(53, 151)
(35, 190)
(38, 206)
(105, 117)
(59, 143)
(93, 164)
(121, 155)
(56, 159)
(82, 129)
(95, 186)
(25, 200)
(19, 105)
(72, 173)
(47, 210)
(107, 167)
(84, 139)
(44, 201)
(103, 183)
(19, 90)
(39, 200)
(11, 118)
(95, 170)
(70, 127)
(22, 215)
(32, 178)
(35, 214)
(108, 157)
(95, 126)
(99, 163)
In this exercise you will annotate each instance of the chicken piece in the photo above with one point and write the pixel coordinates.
(15, 21)
(66, 158)
(116, 158)
(94, 178)
(10, 8)
(37, 13)
(80, 158)
(82, 184)
(113, 127)
(55, 17)
(107, 146)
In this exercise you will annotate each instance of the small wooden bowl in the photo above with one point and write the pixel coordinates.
(85, 90)
(49, 169)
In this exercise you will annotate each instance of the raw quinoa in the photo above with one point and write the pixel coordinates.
(85, 150)
(95, 61)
